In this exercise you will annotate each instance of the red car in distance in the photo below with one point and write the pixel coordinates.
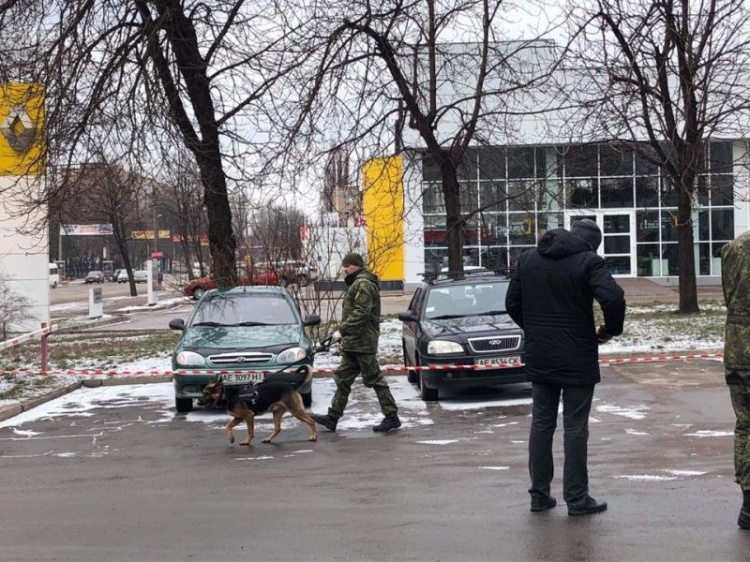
(259, 275)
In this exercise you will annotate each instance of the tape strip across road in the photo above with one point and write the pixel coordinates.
(392, 368)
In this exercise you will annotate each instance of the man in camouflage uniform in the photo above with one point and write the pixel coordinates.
(735, 273)
(359, 332)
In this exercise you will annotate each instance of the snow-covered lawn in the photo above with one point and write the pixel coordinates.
(648, 330)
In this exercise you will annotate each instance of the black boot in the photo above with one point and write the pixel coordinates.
(388, 423)
(744, 519)
(542, 503)
(327, 421)
(587, 507)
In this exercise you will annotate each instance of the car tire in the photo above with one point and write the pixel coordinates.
(426, 393)
(183, 405)
(307, 399)
(198, 293)
(411, 375)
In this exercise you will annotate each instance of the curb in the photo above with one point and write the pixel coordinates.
(12, 410)
(7, 412)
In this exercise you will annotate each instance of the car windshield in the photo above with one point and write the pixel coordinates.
(477, 299)
(243, 310)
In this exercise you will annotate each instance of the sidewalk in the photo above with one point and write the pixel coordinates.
(644, 291)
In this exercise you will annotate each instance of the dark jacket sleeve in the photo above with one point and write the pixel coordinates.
(609, 295)
(513, 300)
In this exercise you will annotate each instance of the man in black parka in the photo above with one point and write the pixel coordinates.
(551, 296)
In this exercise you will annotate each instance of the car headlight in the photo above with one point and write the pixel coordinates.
(190, 359)
(291, 355)
(442, 347)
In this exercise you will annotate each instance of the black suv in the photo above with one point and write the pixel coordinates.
(461, 321)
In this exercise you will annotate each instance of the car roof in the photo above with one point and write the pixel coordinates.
(470, 277)
(258, 290)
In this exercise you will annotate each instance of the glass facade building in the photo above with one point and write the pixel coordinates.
(515, 194)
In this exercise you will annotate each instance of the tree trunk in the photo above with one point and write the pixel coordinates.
(688, 287)
(221, 238)
(453, 222)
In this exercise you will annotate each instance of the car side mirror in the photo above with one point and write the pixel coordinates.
(177, 324)
(312, 320)
(407, 316)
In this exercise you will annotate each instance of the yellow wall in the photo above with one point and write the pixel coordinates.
(383, 209)
(26, 99)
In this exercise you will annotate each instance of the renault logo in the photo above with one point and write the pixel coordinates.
(18, 129)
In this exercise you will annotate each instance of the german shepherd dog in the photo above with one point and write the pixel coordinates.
(245, 402)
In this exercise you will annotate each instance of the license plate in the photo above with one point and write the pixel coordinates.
(242, 378)
(496, 361)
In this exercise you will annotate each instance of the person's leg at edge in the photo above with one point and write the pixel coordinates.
(740, 395)
(546, 400)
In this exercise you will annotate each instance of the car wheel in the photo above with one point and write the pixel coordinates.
(427, 394)
(307, 399)
(183, 405)
(411, 374)
(198, 293)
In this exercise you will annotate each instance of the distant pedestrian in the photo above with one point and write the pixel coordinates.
(551, 296)
(359, 333)
(735, 276)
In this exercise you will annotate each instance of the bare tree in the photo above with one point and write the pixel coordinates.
(276, 230)
(13, 307)
(665, 77)
(147, 74)
(390, 75)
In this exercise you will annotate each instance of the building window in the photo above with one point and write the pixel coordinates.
(617, 192)
(581, 194)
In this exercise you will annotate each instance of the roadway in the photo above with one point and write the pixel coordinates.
(112, 473)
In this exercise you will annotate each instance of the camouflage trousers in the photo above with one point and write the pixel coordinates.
(740, 394)
(352, 364)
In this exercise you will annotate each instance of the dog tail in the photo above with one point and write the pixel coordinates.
(308, 372)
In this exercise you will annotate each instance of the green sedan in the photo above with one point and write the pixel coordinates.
(245, 330)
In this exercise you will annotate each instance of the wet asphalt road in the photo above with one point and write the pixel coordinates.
(129, 480)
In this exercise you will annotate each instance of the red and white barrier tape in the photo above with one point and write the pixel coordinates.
(394, 368)
(27, 337)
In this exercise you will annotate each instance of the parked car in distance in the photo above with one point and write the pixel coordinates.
(294, 273)
(259, 275)
(462, 321)
(54, 275)
(94, 277)
(139, 275)
(243, 328)
(115, 274)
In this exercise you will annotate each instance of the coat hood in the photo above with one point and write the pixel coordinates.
(559, 243)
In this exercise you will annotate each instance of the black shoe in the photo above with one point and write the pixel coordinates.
(587, 507)
(744, 520)
(542, 503)
(388, 423)
(327, 421)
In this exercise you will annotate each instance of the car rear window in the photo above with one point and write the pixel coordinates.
(239, 309)
(466, 300)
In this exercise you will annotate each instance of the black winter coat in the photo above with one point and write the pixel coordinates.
(551, 296)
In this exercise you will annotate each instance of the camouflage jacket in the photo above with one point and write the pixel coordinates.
(360, 324)
(735, 274)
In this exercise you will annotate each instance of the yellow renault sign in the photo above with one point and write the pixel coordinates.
(383, 209)
(21, 130)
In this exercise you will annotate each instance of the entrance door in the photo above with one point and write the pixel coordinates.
(618, 238)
